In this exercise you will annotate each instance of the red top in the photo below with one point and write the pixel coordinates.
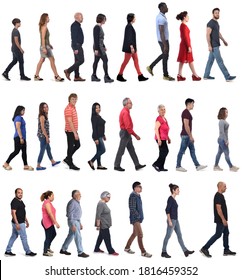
(184, 56)
(125, 121)
(163, 129)
(70, 111)
(47, 222)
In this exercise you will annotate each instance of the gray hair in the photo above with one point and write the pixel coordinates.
(125, 101)
(160, 106)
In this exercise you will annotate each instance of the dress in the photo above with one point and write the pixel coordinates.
(184, 56)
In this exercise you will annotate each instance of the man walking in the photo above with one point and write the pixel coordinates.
(126, 126)
(77, 40)
(71, 128)
(221, 220)
(162, 33)
(136, 218)
(19, 225)
(213, 38)
(187, 140)
(18, 52)
(74, 213)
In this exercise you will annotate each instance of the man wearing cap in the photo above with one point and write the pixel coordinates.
(18, 52)
(126, 132)
(103, 222)
(74, 213)
(136, 217)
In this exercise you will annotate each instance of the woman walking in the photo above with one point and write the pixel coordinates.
(44, 136)
(48, 221)
(46, 49)
(223, 141)
(185, 51)
(20, 143)
(173, 223)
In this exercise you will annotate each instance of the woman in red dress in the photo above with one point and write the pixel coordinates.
(185, 51)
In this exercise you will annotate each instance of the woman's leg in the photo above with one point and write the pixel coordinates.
(52, 65)
(95, 64)
(136, 63)
(127, 57)
(180, 67)
(39, 65)
(17, 149)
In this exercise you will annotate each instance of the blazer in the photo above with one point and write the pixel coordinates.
(129, 38)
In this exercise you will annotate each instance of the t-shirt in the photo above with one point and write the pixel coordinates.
(214, 36)
(46, 220)
(186, 115)
(70, 111)
(163, 129)
(103, 214)
(22, 127)
(171, 208)
(161, 20)
(219, 199)
(19, 206)
(15, 33)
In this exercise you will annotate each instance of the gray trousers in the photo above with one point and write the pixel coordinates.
(125, 142)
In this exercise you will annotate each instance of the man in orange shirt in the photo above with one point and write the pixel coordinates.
(71, 128)
(126, 126)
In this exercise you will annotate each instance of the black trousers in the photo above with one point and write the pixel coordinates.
(17, 148)
(17, 57)
(163, 56)
(163, 152)
(72, 146)
(104, 234)
(104, 58)
(50, 234)
(79, 60)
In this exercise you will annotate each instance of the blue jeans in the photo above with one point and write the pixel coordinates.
(76, 235)
(220, 229)
(169, 231)
(223, 148)
(186, 143)
(14, 236)
(44, 146)
(100, 150)
(215, 54)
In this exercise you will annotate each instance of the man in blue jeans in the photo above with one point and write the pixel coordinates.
(187, 140)
(221, 220)
(213, 38)
(74, 213)
(19, 225)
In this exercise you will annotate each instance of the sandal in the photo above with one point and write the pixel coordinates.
(7, 167)
(37, 78)
(59, 79)
(29, 168)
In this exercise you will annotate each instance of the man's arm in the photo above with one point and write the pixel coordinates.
(187, 129)
(221, 38)
(13, 213)
(221, 215)
(16, 41)
(163, 39)
(208, 37)
(69, 119)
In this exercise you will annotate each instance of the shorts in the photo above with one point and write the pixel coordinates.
(48, 54)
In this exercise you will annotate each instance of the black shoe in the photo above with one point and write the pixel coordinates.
(229, 253)
(163, 169)
(31, 254)
(25, 78)
(83, 255)
(138, 167)
(165, 255)
(65, 252)
(121, 78)
(119, 168)
(9, 254)
(142, 78)
(187, 253)
(5, 75)
(94, 78)
(91, 164)
(73, 167)
(107, 79)
(156, 167)
(205, 252)
(102, 168)
(66, 161)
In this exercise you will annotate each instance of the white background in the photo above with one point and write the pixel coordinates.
(197, 188)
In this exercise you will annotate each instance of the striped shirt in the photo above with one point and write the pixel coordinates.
(70, 111)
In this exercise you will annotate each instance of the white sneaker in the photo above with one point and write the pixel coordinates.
(129, 251)
(200, 167)
(146, 254)
(181, 169)
(234, 168)
(217, 168)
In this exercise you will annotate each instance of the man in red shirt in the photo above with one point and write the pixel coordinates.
(126, 126)
(71, 128)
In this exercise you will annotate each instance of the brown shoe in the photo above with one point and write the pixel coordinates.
(79, 79)
(67, 75)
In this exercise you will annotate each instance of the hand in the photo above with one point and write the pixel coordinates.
(225, 43)
(192, 139)
(27, 224)
(73, 228)
(21, 141)
(189, 49)
(47, 139)
(104, 138)
(132, 49)
(81, 227)
(22, 51)
(210, 49)
(105, 49)
(225, 223)
(44, 50)
(17, 227)
(98, 228)
(137, 137)
(57, 225)
(227, 143)
(51, 47)
(170, 224)
(76, 136)
(96, 53)
(159, 142)
(169, 141)
(96, 142)
(75, 51)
